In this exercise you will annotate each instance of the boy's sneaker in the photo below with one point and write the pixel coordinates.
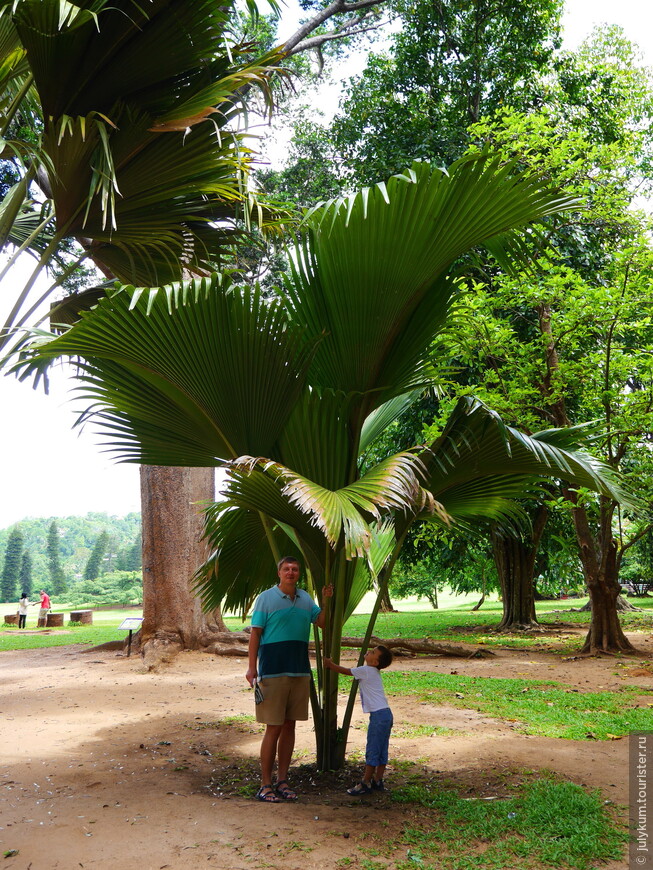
(378, 786)
(360, 789)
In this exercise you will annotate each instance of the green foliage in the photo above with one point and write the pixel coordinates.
(25, 581)
(546, 823)
(57, 575)
(287, 393)
(448, 65)
(76, 536)
(12, 565)
(111, 588)
(94, 566)
(141, 152)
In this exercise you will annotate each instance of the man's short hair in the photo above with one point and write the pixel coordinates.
(285, 559)
(385, 657)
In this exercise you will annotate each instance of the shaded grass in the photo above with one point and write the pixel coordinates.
(547, 823)
(545, 709)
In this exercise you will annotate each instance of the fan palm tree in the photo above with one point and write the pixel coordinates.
(286, 394)
(125, 116)
(124, 123)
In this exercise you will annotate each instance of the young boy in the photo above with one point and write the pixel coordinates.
(375, 703)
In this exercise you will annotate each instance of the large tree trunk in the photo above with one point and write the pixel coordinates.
(386, 603)
(173, 549)
(515, 562)
(599, 560)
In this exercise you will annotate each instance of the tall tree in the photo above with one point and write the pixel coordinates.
(12, 565)
(25, 581)
(130, 557)
(57, 575)
(450, 63)
(288, 393)
(94, 566)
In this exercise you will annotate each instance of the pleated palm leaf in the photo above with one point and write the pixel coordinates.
(286, 394)
(140, 156)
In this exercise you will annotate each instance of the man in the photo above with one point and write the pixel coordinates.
(45, 607)
(278, 659)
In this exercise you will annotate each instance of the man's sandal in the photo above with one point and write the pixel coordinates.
(360, 789)
(267, 795)
(284, 791)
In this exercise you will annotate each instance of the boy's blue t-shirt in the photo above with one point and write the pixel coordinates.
(286, 625)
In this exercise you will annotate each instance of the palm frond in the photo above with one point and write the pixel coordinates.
(477, 456)
(203, 364)
(342, 516)
(371, 271)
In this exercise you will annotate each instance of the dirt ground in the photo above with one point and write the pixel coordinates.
(106, 766)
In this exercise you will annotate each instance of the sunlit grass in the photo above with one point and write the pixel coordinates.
(104, 630)
(541, 708)
(546, 823)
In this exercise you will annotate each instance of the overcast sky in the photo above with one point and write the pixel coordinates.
(50, 470)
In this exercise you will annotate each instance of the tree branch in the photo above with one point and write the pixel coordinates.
(338, 7)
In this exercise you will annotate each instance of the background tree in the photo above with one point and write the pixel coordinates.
(55, 568)
(95, 566)
(77, 535)
(12, 565)
(447, 65)
(130, 557)
(25, 581)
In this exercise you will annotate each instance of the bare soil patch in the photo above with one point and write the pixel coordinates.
(104, 765)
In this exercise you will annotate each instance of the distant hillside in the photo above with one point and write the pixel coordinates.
(77, 537)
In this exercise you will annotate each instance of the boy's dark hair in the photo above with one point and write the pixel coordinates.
(285, 559)
(385, 657)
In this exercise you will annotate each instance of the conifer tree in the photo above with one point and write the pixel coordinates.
(26, 583)
(12, 565)
(57, 575)
(94, 565)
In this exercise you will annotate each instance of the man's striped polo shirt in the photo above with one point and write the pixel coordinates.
(286, 624)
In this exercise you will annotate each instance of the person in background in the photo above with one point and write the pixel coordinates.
(45, 607)
(23, 604)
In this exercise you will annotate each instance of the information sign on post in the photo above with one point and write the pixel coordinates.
(130, 624)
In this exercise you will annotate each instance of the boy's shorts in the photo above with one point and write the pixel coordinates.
(378, 737)
(283, 698)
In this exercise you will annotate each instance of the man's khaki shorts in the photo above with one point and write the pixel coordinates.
(283, 698)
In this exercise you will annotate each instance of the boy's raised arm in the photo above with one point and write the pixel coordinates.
(338, 668)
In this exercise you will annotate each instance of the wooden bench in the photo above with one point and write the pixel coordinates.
(11, 619)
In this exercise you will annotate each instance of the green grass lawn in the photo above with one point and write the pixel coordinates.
(546, 824)
(104, 629)
(453, 622)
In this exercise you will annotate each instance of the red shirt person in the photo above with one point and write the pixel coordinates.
(44, 604)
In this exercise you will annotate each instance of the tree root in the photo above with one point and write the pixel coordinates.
(429, 647)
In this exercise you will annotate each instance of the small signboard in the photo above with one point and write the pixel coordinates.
(131, 623)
